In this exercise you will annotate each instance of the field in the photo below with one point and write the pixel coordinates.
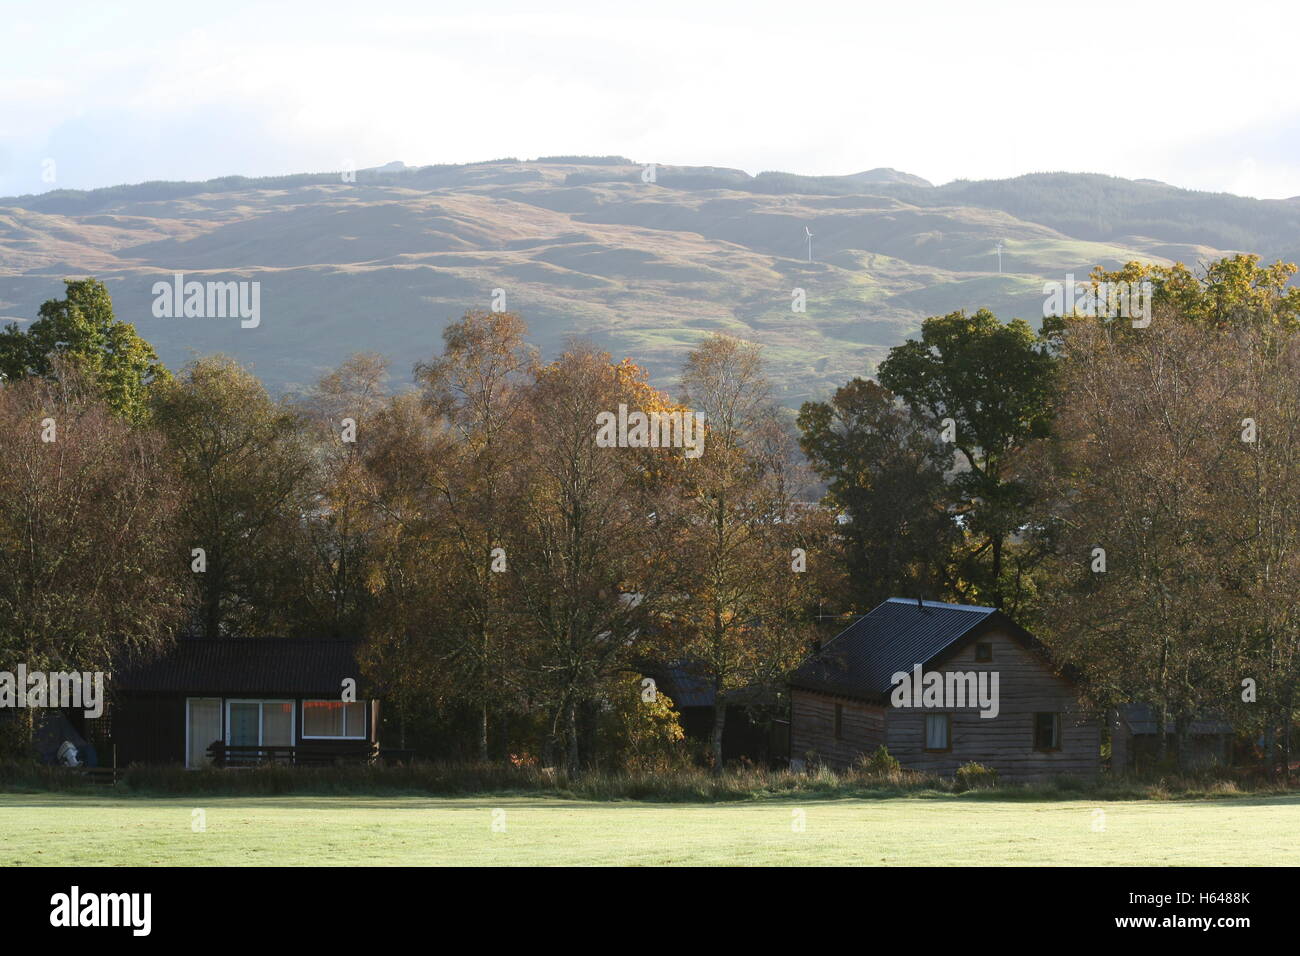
(76, 830)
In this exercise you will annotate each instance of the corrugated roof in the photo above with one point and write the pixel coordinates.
(900, 633)
(245, 665)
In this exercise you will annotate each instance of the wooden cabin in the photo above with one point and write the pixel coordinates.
(844, 697)
(259, 698)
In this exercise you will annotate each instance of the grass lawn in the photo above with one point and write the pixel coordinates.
(76, 830)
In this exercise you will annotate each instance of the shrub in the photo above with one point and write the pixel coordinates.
(879, 763)
(975, 776)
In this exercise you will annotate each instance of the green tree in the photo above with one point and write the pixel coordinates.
(82, 328)
(885, 472)
(987, 386)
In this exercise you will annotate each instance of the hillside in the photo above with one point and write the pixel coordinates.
(584, 246)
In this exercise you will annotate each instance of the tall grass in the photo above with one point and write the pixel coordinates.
(686, 785)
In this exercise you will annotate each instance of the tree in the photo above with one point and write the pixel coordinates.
(245, 464)
(82, 328)
(1142, 606)
(989, 386)
(1257, 509)
(90, 551)
(746, 610)
(885, 472)
(474, 394)
(590, 552)
(331, 552)
(1171, 491)
(1234, 292)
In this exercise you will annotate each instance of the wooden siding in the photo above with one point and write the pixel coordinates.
(1004, 743)
(812, 728)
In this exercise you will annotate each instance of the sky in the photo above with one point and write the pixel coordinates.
(1195, 94)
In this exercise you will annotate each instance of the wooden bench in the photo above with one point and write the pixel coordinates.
(252, 755)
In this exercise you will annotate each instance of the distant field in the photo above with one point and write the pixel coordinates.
(61, 829)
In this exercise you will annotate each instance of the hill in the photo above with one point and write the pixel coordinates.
(642, 260)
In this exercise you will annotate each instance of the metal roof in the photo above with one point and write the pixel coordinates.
(245, 665)
(861, 660)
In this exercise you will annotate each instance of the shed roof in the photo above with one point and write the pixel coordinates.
(861, 660)
(1141, 719)
(246, 665)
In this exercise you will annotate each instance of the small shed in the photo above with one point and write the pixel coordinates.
(1135, 739)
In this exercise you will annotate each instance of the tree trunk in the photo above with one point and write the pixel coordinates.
(719, 724)
(1182, 743)
(1162, 736)
(483, 734)
(571, 736)
(997, 571)
(1287, 714)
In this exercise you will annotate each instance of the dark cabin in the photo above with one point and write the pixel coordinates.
(279, 693)
(756, 729)
(1135, 740)
(843, 705)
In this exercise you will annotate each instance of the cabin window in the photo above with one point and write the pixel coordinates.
(1047, 731)
(333, 719)
(259, 723)
(839, 721)
(938, 732)
(202, 729)
(983, 653)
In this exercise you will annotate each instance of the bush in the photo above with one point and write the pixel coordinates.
(975, 776)
(879, 763)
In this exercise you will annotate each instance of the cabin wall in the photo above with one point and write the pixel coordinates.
(1004, 743)
(150, 729)
(147, 730)
(812, 729)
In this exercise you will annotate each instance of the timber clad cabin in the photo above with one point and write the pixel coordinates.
(263, 698)
(841, 696)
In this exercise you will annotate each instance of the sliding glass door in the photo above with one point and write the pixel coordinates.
(260, 723)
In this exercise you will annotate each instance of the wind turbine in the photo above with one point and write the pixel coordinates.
(808, 232)
(999, 258)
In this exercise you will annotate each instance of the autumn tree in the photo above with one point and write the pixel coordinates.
(1142, 607)
(1232, 293)
(475, 393)
(325, 561)
(244, 461)
(1170, 489)
(91, 559)
(746, 607)
(589, 553)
